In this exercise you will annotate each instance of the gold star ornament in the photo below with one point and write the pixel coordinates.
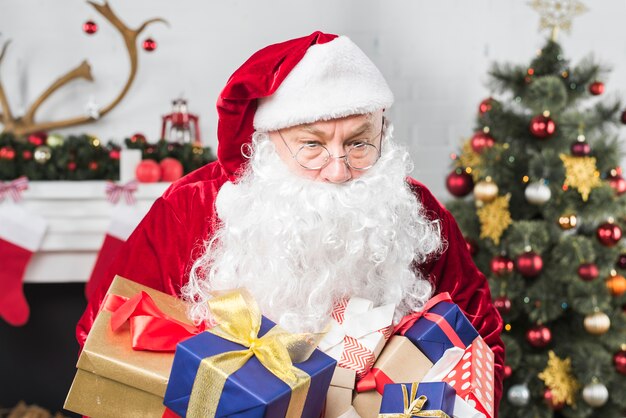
(558, 377)
(581, 173)
(557, 14)
(494, 218)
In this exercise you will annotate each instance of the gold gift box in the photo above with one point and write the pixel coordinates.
(112, 378)
(339, 397)
(403, 363)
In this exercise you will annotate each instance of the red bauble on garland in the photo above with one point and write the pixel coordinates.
(485, 106)
(621, 261)
(7, 153)
(508, 371)
(148, 171)
(548, 397)
(617, 183)
(580, 149)
(481, 141)
(542, 126)
(609, 234)
(171, 169)
(459, 183)
(90, 27)
(38, 138)
(588, 271)
(623, 117)
(529, 264)
(138, 138)
(71, 166)
(93, 165)
(501, 265)
(114, 154)
(149, 45)
(619, 361)
(539, 336)
(596, 88)
(27, 155)
(502, 304)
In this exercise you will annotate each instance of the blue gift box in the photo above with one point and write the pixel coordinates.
(432, 340)
(440, 396)
(250, 392)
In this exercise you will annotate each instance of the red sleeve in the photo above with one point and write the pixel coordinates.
(454, 272)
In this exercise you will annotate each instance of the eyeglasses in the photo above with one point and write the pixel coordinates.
(360, 155)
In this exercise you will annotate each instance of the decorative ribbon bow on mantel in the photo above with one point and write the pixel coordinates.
(413, 406)
(115, 191)
(13, 188)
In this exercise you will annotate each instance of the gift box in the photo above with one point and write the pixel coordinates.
(439, 326)
(109, 365)
(247, 367)
(358, 333)
(473, 378)
(339, 397)
(400, 361)
(433, 399)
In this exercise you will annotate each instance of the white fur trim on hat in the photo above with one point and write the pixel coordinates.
(332, 80)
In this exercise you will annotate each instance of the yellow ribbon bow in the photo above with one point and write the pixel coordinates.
(239, 320)
(413, 406)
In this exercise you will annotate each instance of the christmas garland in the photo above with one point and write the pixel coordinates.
(85, 157)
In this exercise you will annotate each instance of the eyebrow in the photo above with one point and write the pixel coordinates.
(365, 127)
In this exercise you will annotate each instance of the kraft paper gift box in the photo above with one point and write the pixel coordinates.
(358, 333)
(473, 379)
(339, 397)
(432, 399)
(242, 368)
(439, 326)
(113, 379)
(400, 361)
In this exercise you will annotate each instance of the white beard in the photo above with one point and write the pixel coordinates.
(299, 245)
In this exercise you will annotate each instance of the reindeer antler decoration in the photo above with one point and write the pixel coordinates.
(26, 124)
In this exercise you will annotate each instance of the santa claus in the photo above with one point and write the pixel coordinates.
(309, 203)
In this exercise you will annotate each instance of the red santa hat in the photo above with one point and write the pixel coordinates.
(304, 80)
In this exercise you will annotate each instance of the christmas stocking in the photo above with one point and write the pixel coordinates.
(123, 222)
(21, 234)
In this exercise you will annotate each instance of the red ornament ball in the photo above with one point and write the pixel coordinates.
(621, 261)
(71, 166)
(502, 304)
(539, 336)
(485, 106)
(149, 44)
(596, 88)
(27, 155)
(481, 141)
(609, 234)
(472, 247)
(588, 271)
(542, 126)
(529, 264)
(623, 118)
(501, 265)
(38, 138)
(548, 397)
(148, 171)
(619, 360)
(508, 371)
(90, 27)
(459, 183)
(93, 165)
(618, 184)
(171, 169)
(7, 153)
(138, 138)
(114, 154)
(580, 149)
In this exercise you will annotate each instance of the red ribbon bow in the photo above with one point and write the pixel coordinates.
(150, 328)
(13, 188)
(116, 191)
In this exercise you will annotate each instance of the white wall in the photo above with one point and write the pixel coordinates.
(434, 54)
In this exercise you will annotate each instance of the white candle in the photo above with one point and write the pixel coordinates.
(129, 159)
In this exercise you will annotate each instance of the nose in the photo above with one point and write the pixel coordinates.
(337, 171)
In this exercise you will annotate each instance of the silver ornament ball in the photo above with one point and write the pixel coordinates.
(595, 394)
(537, 193)
(519, 395)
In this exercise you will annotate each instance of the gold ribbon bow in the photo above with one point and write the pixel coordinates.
(413, 406)
(239, 320)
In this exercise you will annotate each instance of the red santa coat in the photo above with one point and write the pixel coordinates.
(160, 252)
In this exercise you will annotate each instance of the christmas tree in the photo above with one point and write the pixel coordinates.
(545, 225)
